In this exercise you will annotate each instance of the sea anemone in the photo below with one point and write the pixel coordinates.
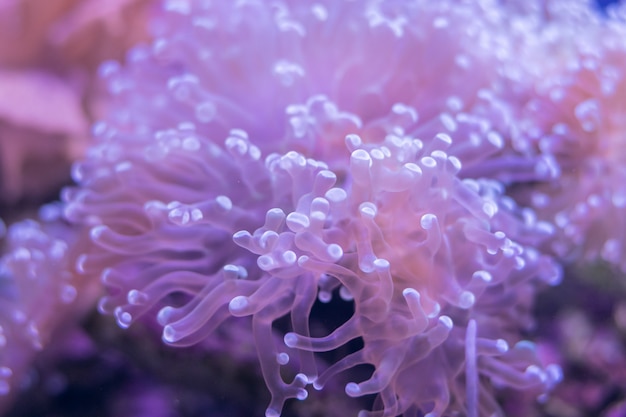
(247, 168)
(566, 105)
(39, 293)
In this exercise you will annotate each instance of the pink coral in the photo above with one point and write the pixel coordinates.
(249, 169)
(36, 145)
(49, 53)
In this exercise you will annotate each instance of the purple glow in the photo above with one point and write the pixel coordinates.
(430, 166)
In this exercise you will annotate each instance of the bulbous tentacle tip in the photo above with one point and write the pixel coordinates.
(446, 322)
(282, 358)
(291, 340)
(554, 374)
(502, 346)
(238, 306)
(170, 335)
(466, 300)
(97, 231)
(137, 298)
(353, 389)
(124, 318)
(164, 316)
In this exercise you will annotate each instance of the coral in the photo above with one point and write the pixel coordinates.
(247, 169)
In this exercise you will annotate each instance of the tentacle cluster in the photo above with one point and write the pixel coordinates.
(422, 252)
(571, 87)
(418, 251)
(36, 287)
(184, 257)
(247, 170)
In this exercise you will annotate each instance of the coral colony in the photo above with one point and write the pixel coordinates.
(430, 166)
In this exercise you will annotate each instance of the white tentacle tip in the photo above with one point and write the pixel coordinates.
(291, 340)
(353, 389)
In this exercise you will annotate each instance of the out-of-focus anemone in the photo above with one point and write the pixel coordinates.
(268, 69)
(248, 169)
(571, 89)
(38, 294)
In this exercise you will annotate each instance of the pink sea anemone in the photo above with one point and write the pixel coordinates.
(260, 158)
(571, 85)
(39, 294)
